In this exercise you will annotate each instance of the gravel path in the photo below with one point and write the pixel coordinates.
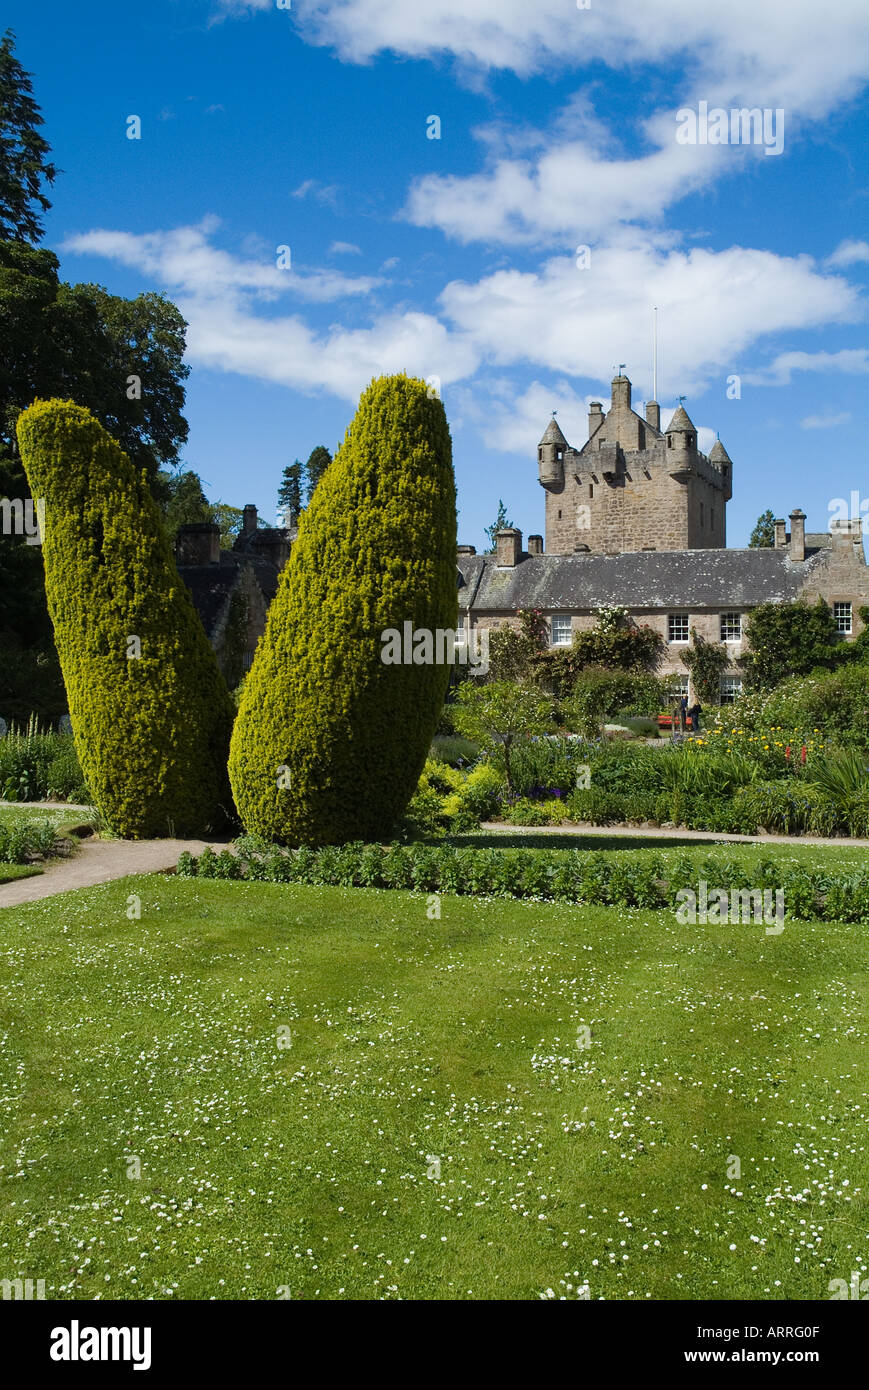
(99, 861)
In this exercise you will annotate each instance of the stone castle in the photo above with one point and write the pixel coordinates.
(632, 486)
(635, 517)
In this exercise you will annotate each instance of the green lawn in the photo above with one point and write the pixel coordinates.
(8, 872)
(416, 1042)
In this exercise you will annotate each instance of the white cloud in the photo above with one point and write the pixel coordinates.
(570, 190)
(184, 258)
(321, 192)
(222, 296)
(345, 248)
(778, 53)
(849, 253)
(824, 422)
(848, 362)
(713, 306)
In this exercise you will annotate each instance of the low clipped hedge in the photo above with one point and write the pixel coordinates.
(625, 879)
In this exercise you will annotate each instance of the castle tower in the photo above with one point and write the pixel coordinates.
(632, 486)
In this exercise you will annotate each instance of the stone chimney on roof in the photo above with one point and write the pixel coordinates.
(248, 519)
(535, 545)
(653, 415)
(198, 543)
(781, 538)
(595, 417)
(508, 546)
(798, 534)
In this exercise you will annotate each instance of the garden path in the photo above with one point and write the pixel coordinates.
(670, 832)
(99, 861)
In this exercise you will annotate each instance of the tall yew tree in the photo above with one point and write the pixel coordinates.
(330, 740)
(150, 710)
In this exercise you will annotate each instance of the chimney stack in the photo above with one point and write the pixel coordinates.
(467, 550)
(595, 417)
(798, 534)
(653, 415)
(781, 538)
(198, 544)
(535, 545)
(249, 519)
(508, 546)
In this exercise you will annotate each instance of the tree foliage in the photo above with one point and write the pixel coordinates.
(787, 639)
(25, 168)
(150, 711)
(330, 741)
(498, 714)
(763, 535)
(707, 662)
(290, 492)
(319, 460)
(497, 525)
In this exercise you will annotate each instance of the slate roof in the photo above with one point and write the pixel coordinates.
(553, 434)
(680, 421)
(644, 579)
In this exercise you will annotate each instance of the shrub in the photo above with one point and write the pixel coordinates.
(25, 840)
(151, 727)
(780, 807)
(478, 797)
(599, 693)
(525, 812)
(596, 806)
(330, 741)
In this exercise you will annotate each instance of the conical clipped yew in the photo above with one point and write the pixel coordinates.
(330, 741)
(150, 711)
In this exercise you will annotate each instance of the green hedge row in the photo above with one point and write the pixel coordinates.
(625, 879)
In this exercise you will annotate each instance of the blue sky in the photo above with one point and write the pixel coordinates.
(456, 257)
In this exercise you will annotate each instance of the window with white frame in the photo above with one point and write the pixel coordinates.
(842, 617)
(677, 627)
(731, 627)
(562, 630)
(678, 687)
(731, 688)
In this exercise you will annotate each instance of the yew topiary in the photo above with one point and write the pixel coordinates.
(150, 711)
(330, 740)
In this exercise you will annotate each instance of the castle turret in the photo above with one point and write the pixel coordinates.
(681, 445)
(550, 456)
(720, 457)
